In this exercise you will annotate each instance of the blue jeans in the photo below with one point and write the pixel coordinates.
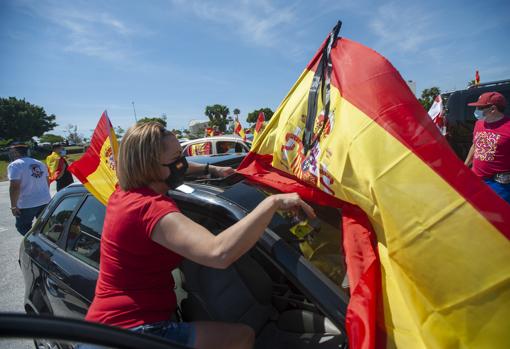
(26, 217)
(503, 190)
(178, 332)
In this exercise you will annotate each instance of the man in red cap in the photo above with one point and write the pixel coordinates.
(490, 152)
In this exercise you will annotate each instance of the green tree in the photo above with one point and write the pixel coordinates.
(176, 132)
(119, 132)
(161, 120)
(51, 138)
(252, 117)
(21, 120)
(72, 134)
(217, 115)
(428, 95)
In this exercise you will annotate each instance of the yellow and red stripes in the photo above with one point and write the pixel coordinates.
(442, 235)
(96, 168)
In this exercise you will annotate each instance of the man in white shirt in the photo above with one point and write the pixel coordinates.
(28, 189)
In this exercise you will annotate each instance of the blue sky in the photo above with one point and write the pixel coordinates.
(173, 57)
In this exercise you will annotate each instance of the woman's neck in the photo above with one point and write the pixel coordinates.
(158, 187)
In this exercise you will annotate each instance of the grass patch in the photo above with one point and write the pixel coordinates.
(3, 170)
(73, 157)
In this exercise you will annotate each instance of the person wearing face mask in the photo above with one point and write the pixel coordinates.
(57, 167)
(490, 153)
(145, 236)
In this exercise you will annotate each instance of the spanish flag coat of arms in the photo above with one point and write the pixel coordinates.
(426, 241)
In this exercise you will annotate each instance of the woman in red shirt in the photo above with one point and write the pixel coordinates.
(145, 236)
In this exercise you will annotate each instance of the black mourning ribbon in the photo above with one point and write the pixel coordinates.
(322, 79)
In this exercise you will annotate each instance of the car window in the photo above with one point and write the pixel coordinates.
(204, 148)
(241, 148)
(55, 225)
(318, 240)
(85, 232)
(225, 147)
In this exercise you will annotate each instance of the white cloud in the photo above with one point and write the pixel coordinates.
(404, 27)
(87, 31)
(259, 22)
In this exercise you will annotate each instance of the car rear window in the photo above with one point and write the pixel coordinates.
(204, 148)
(83, 239)
(55, 224)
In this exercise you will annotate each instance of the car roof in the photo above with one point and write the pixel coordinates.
(216, 138)
(214, 158)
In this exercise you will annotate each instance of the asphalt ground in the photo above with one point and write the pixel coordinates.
(12, 288)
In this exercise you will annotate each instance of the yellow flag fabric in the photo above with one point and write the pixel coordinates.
(55, 166)
(96, 168)
(442, 234)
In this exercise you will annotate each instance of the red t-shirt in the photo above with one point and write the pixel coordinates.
(492, 147)
(135, 284)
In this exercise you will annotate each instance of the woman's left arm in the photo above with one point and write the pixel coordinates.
(202, 169)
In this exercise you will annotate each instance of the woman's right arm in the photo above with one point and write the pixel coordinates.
(180, 234)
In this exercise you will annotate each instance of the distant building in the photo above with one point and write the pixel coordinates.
(412, 86)
(197, 127)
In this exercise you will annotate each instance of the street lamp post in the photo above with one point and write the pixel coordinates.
(134, 111)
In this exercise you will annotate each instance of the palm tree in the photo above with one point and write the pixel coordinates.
(217, 115)
(237, 112)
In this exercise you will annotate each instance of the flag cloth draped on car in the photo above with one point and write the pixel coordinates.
(96, 168)
(426, 241)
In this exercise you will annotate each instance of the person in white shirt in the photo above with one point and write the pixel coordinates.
(28, 188)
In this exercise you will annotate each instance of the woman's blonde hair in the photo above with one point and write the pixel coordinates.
(139, 155)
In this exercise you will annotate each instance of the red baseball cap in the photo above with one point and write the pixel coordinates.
(490, 98)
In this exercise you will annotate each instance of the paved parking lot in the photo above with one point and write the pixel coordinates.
(12, 288)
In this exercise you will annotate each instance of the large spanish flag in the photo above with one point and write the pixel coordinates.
(426, 242)
(96, 168)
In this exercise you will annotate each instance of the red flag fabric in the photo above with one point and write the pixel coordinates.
(239, 130)
(96, 168)
(371, 145)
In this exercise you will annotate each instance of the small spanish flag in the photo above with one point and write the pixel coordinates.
(96, 168)
(56, 165)
(259, 127)
(477, 78)
(209, 132)
(426, 242)
(239, 130)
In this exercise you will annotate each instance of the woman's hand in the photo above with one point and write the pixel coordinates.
(292, 202)
(218, 171)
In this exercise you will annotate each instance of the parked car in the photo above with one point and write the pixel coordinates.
(230, 160)
(215, 145)
(288, 287)
(460, 120)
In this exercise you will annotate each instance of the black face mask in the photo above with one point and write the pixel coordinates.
(178, 169)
